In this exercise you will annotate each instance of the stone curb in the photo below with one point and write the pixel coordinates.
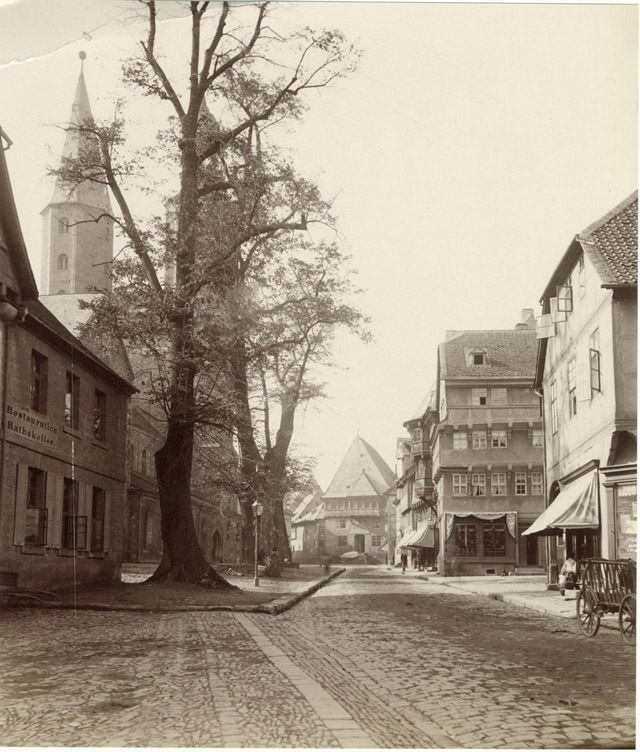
(274, 607)
(520, 602)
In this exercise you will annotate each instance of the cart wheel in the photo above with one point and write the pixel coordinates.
(627, 618)
(587, 612)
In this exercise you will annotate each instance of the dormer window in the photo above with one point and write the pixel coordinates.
(477, 357)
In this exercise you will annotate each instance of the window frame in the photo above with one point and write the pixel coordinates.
(479, 440)
(537, 483)
(479, 394)
(72, 401)
(36, 513)
(98, 515)
(595, 366)
(520, 483)
(99, 415)
(494, 539)
(564, 295)
(460, 488)
(467, 532)
(462, 439)
(39, 385)
(74, 525)
(479, 480)
(497, 437)
(501, 483)
(572, 386)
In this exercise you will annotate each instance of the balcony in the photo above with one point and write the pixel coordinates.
(483, 414)
(423, 487)
(419, 448)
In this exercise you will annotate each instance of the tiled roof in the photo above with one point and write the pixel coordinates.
(510, 353)
(362, 469)
(612, 244)
(309, 509)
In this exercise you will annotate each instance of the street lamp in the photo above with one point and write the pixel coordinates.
(257, 511)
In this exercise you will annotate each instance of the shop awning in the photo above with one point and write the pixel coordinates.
(574, 508)
(402, 543)
(423, 537)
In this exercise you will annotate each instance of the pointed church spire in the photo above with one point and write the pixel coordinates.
(76, 143)
(77, 249)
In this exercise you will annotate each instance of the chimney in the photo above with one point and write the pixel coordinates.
(527, 319)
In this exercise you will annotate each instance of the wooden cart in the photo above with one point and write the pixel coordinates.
(607, 586)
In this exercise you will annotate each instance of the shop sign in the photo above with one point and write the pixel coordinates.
(23, 423)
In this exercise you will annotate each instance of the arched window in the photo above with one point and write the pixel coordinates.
(63, 226)
(63, 262)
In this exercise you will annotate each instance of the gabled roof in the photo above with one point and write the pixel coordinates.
(68, 309)
(362, 473)
(309, 509)
(18, 257)
(611, 244)
(47, 326)
(428, 402)
(511, 353)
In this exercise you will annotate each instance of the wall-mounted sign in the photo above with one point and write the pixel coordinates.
(23, 423)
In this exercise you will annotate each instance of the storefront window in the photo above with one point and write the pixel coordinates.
(493, 539)
(465, 538)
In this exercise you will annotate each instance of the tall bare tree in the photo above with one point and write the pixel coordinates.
(187, 292)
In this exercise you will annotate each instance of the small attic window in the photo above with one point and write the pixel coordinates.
(477, 357)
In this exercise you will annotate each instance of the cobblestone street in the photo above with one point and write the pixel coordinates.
(371, 660)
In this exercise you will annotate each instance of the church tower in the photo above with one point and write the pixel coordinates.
(77, 250)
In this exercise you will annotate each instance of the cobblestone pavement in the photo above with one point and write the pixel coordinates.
(371, 660)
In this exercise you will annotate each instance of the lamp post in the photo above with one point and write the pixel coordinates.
(257, 511)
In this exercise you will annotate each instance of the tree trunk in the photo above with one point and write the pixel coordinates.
(182, 558)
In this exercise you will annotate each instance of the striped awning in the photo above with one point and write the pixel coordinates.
(574, 508)
(422, 537)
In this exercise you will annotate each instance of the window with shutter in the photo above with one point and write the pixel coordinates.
(22, 484)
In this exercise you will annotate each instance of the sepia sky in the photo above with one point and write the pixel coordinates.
(474, 141)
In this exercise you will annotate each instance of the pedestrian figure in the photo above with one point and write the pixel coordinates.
(403, 561)
(568, 574)
(325, 564)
